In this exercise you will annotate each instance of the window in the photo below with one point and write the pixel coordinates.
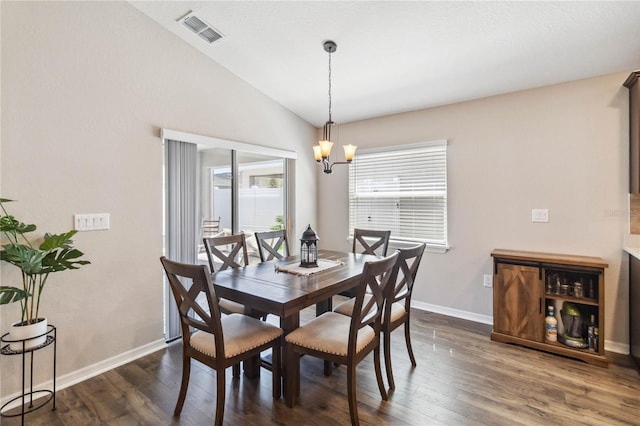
(403, 189)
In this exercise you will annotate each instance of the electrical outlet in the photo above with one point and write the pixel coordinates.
(488, 280)
(540, 215)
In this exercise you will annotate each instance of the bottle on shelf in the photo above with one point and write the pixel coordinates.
(592, 334)
(551, 325)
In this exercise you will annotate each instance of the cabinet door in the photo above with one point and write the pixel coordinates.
(517, 302)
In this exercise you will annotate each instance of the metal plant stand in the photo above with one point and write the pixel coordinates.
(41, 397)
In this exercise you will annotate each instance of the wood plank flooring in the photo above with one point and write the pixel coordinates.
(462, 378)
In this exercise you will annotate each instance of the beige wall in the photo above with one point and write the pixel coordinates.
(562, 147)
(85, 88)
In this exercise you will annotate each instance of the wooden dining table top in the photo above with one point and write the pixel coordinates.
(263, 287)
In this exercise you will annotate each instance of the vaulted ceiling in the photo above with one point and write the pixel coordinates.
(396, 56)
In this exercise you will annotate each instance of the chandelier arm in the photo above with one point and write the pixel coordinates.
(328, 167)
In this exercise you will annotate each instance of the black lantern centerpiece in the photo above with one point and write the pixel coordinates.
(309, 248)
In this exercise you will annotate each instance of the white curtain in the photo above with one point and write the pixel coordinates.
(181, 187)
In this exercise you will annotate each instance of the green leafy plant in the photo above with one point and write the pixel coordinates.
(56, 253)
(279, 223)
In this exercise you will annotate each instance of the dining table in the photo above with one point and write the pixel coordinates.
(280, 288)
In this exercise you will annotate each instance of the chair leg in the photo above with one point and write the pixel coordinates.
(186, 371)
(376, 363)
(351, 395)
(387, 358)
(220, 396)
(275, 370)
(328, 368)
(236, 370)
(407, 338)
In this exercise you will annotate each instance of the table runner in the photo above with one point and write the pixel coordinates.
(296, 269)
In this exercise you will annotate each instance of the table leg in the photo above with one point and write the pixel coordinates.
(291, 363)
(252, 366)
(324, 306)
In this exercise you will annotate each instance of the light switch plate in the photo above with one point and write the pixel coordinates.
(540, 215)
(91, 222)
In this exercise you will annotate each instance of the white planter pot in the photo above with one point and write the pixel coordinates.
(28, 333)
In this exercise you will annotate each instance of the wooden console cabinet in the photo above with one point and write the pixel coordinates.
(524, 285)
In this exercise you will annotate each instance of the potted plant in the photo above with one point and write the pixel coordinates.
(54, 254)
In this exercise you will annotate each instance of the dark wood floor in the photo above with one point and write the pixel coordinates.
(462, 378)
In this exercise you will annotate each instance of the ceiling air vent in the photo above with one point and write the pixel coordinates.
(210, 35)
(200, 27)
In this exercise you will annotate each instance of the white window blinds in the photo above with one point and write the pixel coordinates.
(402, 189)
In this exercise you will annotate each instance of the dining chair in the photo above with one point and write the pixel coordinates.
(218, 341)
(271, 243)
(348, 340)
(397, 307)
(367, 241)
(228, 252)
(210, 227)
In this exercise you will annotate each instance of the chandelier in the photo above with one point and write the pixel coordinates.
(322, 151)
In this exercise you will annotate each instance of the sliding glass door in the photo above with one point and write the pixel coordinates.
(243, 191)
(261, 197)
(226, 188)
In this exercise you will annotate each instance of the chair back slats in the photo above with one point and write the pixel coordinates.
(226, 249)
(405, 275)
(271, 243)
(368, 241)
(210, 227)
(187, 283)
(376, 277)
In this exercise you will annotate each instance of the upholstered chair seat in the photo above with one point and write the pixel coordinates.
(230, 307)
(241, 334)
(329, 333)
(398, 309)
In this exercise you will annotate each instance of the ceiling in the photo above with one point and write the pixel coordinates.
(396, 56)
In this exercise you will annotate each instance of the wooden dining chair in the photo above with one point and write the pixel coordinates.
(397, 307)
(271, 243)
(368, 241)
(348, 340)
(210, 227)
(227, 252)
(218, 341)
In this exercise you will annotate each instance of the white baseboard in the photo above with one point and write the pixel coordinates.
(611, 346)
(90, 371)
(617, 347)
(456, 313)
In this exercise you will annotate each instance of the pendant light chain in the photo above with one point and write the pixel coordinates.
(329, 86)
(322, 151)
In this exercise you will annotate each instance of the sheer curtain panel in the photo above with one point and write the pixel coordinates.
(181, 187)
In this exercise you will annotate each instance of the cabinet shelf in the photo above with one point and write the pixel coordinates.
(520, 299)
(562, 345)
(578, 300)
